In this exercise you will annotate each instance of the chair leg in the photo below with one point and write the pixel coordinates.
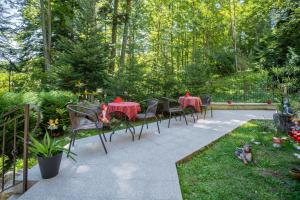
(205, 113)
(184, 117)
(169, 120)
(104, 137)
(194, 117)
(74, 138)
(141, 130)
(102, 142)
(132, 132)
(111, 135)
(70, 145)
(98, 127)
(147, 124)
(211, 111)
(158, 127)
(114, 129)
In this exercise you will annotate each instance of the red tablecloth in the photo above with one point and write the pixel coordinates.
(190, 101)
(129, 108)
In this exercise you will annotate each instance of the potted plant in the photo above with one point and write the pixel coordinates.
(229, 102)
(49, 153)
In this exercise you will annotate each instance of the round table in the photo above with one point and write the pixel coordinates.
(195, 102)
(130, 109)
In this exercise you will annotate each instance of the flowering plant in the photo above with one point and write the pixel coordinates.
(118, 100)
(53, 124)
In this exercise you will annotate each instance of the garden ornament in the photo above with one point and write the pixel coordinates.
(245, 154)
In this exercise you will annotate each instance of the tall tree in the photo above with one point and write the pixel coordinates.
(84, 57)
(125, 37)
(49, 16)
(44, 32)
(114, 35)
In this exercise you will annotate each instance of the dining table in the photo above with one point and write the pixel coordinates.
(190, 101)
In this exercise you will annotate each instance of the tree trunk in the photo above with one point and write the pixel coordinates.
(114, 35)
(193, 37)
(44, 32)
(235, 34)
(125, 37)
(49, 30)
(171, 38)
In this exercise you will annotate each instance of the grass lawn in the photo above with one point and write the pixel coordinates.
(215, 173)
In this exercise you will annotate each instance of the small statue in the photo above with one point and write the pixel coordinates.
(245, 154)
(104, 118)
(287, 107)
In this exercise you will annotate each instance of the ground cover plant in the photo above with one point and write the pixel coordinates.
(216, 173)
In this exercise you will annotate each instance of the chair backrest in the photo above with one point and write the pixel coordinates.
(79, 113)
(206, 100)
(152, 106)
(166, 104)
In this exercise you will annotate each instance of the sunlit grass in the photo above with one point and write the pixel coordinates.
(216, 173)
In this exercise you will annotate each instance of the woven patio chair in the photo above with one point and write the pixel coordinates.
(117, 119)
(84, 119)
(206, 103)
(149, 114)
(172, 107)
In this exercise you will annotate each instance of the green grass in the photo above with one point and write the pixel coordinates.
(215, 173)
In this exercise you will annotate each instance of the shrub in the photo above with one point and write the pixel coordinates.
(53, 106)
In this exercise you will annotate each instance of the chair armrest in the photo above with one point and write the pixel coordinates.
(92, 117)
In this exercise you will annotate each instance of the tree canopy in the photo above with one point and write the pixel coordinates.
(149, 46)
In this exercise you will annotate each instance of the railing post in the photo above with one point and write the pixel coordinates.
(25, 147)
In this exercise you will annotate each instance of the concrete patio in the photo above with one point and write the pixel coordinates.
(141, 170)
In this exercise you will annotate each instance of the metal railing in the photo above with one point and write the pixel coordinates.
(14, 127)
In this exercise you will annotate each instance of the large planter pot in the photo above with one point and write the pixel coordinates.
(295, 173)
(50, 166)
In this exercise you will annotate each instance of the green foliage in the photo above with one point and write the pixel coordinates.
(5, 158)
(48, 147)
(53, 106)
(279, 51)
(216, 173)
(20, 82)
(84, 57)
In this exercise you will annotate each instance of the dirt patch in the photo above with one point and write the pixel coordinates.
(270, 172)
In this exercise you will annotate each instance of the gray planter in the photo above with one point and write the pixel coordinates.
(282, 122)
(49, 167)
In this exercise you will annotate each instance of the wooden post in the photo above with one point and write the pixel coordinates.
(25, 147)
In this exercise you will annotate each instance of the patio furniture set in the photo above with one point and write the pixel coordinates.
(113, 115)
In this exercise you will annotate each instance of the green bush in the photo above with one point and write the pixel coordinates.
(52, 105)
(20, 82)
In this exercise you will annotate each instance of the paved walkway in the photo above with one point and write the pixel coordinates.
(140, 170)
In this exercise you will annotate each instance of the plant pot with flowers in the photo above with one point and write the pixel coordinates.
(49, 153)
(229, 102)
(269, 101)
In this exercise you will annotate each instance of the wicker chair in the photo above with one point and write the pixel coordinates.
(206, 102)
(149, 114)
(172, 107)
(117, 119)
(84, 119)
